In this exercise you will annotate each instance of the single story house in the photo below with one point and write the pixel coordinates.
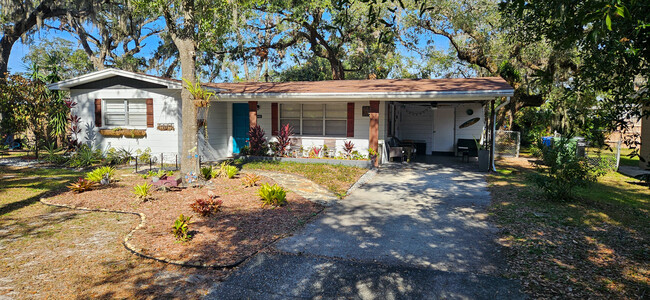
(428, 112)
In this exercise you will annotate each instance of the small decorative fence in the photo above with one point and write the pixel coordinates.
(507, 143)
(165, 161)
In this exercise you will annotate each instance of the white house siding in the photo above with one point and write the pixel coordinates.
(167, 109)
(416, 123)
(219, 130)
(474, 131)
(361, 127)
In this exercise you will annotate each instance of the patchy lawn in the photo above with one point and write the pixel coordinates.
(594, 247)
(336, 178)
(50, 252)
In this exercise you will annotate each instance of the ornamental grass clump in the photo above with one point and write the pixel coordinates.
(273, 195)
(142, 192)
(231, 171)
(103, 175)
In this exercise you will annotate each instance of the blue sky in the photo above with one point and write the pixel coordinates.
(20, 49)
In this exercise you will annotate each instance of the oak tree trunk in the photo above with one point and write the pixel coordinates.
(189, 149)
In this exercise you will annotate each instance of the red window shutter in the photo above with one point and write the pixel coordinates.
(98, 112)
(350, 119)
(149, 113)
(274, 119)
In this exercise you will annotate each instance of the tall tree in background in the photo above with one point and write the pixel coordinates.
(345, 33)
(115, 26)
(59, 57)
(20, 18)
(479, 36)
(191, 24)
(614, 42)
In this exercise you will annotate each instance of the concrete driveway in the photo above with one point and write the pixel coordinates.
(419, 231)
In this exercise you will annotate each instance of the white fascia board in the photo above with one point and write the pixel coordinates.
(410, 96)
(107, 73)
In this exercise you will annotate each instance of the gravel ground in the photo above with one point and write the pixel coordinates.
(18, 162)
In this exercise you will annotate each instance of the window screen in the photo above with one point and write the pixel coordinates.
(131, 112)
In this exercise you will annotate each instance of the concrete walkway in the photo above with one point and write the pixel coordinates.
(414, 231)
(302, 186)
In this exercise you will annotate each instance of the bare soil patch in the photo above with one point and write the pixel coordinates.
(240, 229)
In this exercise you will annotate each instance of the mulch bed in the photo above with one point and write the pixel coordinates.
(240, 229)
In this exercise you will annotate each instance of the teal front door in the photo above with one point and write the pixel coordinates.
(240, 126)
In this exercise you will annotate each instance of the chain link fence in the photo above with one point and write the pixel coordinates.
(607, 156)
(507, 143)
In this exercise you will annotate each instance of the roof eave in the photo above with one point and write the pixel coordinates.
(411, 96)
(67, 84)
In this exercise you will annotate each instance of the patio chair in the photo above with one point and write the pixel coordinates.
(467, 148)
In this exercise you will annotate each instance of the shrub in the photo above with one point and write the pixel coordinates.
(250, 180)
(206, 207)
(273, 195)
(142, 192)
(100, 173)
(561, 170)
(348, 146)
(207, 172)
(117, 157)
(315, 152)
(181, 228)
(52, 157)
(145, 156)
(284, 139)
(85, 157)
(257, 141)
(231, 171)
(81, 185)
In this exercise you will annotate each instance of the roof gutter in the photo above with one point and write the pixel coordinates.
(436, 95)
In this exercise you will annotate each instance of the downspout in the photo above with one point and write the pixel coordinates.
(494, 128)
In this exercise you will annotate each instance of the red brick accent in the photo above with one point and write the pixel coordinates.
(149, 113)
(274, 118)
(98, 112)
(350, 132)
(252, 113)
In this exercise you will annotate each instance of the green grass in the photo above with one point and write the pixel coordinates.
(626, 160)
(596, 245)
(336, 178)
(20, 187)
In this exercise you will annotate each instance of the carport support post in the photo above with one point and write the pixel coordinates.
(491, 129)
(252, 113)
(373, 138)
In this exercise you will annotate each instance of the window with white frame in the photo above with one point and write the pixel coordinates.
(125, 112)
(315, 119)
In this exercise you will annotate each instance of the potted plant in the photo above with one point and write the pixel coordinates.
(372, 154)
(483, 157)
(201, 95)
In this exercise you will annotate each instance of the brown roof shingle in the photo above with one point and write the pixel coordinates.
(367, 86)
